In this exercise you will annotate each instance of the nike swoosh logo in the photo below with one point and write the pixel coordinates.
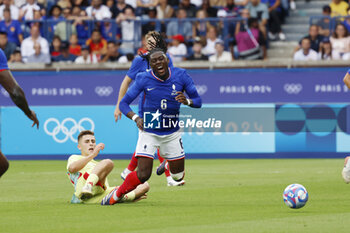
(150, 89)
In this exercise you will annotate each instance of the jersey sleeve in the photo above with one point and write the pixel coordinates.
(3, 61)
(72, 159)
(135, 68)
(191, 90)
(131, 94)
(349, 71)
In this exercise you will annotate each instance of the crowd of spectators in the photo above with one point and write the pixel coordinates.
(329, 37)
(92, 31)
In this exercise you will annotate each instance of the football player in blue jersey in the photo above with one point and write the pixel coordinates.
(17, 95)
(163, 89)
(139, 65)
(346, 169)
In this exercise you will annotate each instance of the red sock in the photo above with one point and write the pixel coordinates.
(133, 163)
(129, 184)
(161, 159)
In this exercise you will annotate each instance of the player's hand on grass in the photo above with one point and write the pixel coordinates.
(139, 123)
(34, 119)
(117, 114)
(98, 148)
(181, 98)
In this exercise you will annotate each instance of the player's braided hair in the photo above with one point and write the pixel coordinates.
(159, 44)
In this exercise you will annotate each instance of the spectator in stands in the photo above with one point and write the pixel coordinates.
(200, 27)
(217, 3)
(13, 9)
(27, 46)
(86, 57)
(164, 10)
(16, 57)
(211, 38)
(126, 58)
(80, 3)
(340, 41)
(177, 49)
(132, 3)
(260, 11)
(65, 28)
(347, 21)
(112, 54)
(314, 37)
(110, 31)
(64, 4)
(179, 26)
(250, 41)
(241, 3)
(74, 47)
(98, 11)
(81, 26)
(275, 20)
(152, 26)
(211, 11)
(55, 48)
(197, 3)
(190, 8)
(19, 3)
(220, 54)
(144, 5)
(65, 55)
(118, 8)
(339, 8)
(324, 23)
(97, 44)
(326, 51)
(12, 28)
(27, 11)
(174, 3)
(38, 56)
(128, 29)
(55, 16)
(197, 54)
(7, 46)
(232, 9)
(305, 53)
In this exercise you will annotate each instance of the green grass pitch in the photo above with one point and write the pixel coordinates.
(220, 196)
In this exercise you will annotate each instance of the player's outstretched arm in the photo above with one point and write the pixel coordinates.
(17, 95)
(347, 79)
(81, 163)
(122, 90)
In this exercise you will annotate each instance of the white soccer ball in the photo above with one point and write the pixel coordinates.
(295, 196)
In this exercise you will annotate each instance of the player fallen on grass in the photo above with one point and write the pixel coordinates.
(139, 64)
(17, 96)
(346, 169)
(163, 87)
(89, 177)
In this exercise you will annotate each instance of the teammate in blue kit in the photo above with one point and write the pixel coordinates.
(163, 94)
(17, 96)
(139, 65)
(346, 169)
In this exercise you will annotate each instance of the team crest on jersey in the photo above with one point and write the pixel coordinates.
(174, 90)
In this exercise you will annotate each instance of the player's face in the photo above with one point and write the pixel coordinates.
(150, 41)
(159, 64)
(87, 144)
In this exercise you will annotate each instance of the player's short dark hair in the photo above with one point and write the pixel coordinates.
(85, 132)
(3, 33)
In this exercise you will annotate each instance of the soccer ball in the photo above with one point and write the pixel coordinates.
(295, 196)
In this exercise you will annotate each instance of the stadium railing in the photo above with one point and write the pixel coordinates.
(47, 27)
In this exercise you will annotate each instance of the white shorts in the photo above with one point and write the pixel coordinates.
(170, 146)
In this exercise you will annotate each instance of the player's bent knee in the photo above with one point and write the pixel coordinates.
(177, 176)
(145, 187)
(143, 176)
(109, 163)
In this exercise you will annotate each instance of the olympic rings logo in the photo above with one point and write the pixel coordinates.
(201, 89)
(293, 88)
(104, 91)
(62, 128)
